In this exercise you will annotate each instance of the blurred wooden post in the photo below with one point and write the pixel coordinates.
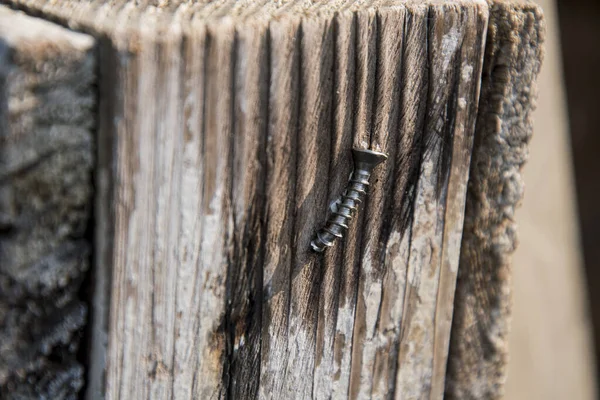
(224, 137)
(47, 98)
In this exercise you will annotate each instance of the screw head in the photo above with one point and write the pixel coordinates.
(367, 160)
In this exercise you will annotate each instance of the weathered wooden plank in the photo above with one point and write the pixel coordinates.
(340, 166)
(284, 57)
(418, 352)
(245, 281)
(314, 140)
(217, 213)
(378, 370)
(398, 211)
(154, 183)
(191, 204)
(364, 30)
(232, 124)
(47, 102)
(384, 137)
(478, 351)
(466, 102)
(131, 302)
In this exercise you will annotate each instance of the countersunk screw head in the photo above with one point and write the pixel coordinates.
(367, 160)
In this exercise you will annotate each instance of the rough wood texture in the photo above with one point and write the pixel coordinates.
(479, 347)
(225, 131)
(47, 99)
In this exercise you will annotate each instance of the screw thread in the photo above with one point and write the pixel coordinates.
(339, 220)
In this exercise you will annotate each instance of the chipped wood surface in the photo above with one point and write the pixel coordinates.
(224, 136)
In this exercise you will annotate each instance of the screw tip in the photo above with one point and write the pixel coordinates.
(316, 248)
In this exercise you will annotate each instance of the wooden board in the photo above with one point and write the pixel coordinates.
(225, 131)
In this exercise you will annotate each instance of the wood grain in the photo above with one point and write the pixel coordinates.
(326, 355)
(281, 184)
(384, 135)
(231, 125)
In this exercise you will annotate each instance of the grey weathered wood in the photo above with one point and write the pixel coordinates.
(225, 131)
(327, 357)
(479, 346)
(280, 184)
(47, 98)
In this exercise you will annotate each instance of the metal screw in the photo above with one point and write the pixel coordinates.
(365, 162)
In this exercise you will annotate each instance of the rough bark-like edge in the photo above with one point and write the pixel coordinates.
(479, 338)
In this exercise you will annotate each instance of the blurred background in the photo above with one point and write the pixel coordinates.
(556, 270)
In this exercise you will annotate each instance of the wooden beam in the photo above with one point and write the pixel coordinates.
(225, 136)
(47, 102)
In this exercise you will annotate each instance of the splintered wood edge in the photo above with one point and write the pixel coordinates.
(479, 343)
